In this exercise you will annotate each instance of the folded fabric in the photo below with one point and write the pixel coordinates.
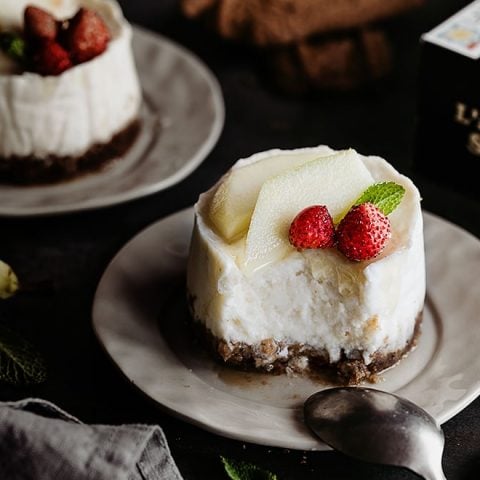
(38, 441)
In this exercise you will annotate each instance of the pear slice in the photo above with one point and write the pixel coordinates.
(233, 203)
(335, 181)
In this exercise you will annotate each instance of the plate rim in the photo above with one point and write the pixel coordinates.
(136, 193)
(470, 394)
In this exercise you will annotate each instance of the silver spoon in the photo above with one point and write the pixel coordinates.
(377, 427)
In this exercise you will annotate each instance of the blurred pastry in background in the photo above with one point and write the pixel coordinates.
(310, 44)
(339, 62)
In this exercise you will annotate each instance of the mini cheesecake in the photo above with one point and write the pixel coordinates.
(263, 304)
(54, 127)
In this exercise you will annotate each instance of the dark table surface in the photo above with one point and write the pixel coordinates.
(66, 255)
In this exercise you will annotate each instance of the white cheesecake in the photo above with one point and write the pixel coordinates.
(303, 310)
(57, 122)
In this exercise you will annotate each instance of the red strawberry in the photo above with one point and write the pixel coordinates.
(50, 58)
(312, 228)
(87, 36)
(363, 232)
(40, 24)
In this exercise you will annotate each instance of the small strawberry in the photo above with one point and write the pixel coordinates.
(87, 36)
(312, 228)
(40, 24)
(50, 58)
(363, 232)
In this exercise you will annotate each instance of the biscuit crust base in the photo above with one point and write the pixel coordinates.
(34, 171)
(279, 357)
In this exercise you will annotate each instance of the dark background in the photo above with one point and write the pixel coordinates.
(63, 257)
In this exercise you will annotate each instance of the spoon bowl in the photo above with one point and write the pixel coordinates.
(377, 427)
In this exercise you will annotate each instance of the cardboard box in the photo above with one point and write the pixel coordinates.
(448, 130)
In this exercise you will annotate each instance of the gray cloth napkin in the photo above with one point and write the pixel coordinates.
(38, 441)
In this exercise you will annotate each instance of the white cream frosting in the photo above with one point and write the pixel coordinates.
(65, 115)
(314, 297)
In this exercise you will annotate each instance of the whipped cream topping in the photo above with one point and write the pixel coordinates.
(314, 297)
(88, 104)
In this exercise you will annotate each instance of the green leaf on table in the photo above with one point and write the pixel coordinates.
(246, 471)
(386, 196)
(20, 363)
(8, 281)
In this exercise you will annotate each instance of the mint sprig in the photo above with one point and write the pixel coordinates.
(386, 196)
(246, 471)
(20, 363)
(13, 45)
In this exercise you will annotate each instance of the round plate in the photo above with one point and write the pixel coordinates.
(140, 317)
(182, 116)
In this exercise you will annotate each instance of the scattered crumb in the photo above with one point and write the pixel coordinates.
(371, 325)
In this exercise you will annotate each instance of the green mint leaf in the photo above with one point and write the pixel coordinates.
(386, 196)
(8, 281)
(13, 45)
(20, 364)
(246, 471)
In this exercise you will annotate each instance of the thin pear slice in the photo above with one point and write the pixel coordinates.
(335, 181)
(234, 201)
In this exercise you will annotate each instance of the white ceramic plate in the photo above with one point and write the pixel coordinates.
(182, 117)
(140, 317)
